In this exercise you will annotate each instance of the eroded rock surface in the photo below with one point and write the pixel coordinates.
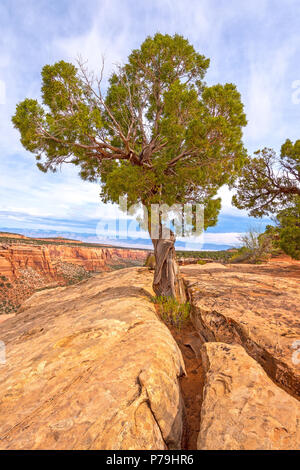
(255, 306)
(242, 408)
(91, 367)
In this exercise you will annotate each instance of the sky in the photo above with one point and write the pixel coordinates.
(253, 44)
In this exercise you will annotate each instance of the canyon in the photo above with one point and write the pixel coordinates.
(27, 265)
(93, 366)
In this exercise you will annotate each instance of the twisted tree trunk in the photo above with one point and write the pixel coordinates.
(167, 279)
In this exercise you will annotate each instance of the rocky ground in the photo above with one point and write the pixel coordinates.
(242, 408)
(256, 306)
(92, 366)
(79, 373)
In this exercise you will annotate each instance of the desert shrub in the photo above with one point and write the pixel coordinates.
(201, 261)
(150, 261)
(222, 255)
(257, 247)
(172, 311)
(242, 255)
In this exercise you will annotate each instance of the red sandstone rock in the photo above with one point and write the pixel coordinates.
(91, 367)
(15, 257)
(256, 306)
(242, 407)
(26, 267)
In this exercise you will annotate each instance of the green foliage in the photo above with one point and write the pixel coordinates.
(160, 135)
(268, 182)
(173, 312)
(150, 261)
(242, 255)
(289, 229)
(271, 185)
(221, 255)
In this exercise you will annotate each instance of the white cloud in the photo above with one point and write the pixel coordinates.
(253, 44)
(231, 238)
(267, 91)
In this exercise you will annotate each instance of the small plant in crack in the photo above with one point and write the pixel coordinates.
(172, 311)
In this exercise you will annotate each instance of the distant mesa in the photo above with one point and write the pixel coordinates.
(11, 235)
(59, 239)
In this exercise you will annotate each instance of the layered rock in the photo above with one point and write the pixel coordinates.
(91, 367)
(28, 266)
(254, 306)
(13, 258)
(41, 257)
(242, 408)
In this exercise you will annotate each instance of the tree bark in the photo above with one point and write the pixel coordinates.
(167, 279)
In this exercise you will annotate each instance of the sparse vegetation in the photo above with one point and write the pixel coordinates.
(150, 261)
(122, 264)
(222, 255)
(257, 248)
(201, 261)
(172, 311)
(35, 241)
(8, 307)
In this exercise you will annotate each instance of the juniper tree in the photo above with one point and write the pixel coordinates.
(158, 135)
(270, 185)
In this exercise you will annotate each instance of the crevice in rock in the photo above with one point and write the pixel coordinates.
(148, 402)
(192, 383)
(231, 332)
(154, 417)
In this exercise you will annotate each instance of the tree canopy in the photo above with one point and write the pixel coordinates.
(158, 135)
(271, 185)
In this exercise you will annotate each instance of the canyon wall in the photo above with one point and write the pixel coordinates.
(27, 267)
(14, 258)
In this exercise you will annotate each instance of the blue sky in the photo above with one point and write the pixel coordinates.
(253, 44)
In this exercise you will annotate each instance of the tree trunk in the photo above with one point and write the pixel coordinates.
(167, 279)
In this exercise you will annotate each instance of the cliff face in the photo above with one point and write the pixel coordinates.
(25, 268)
(14, 258)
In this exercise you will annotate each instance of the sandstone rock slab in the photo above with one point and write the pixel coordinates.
(91, 367)
(242, 408)
(255, 306)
